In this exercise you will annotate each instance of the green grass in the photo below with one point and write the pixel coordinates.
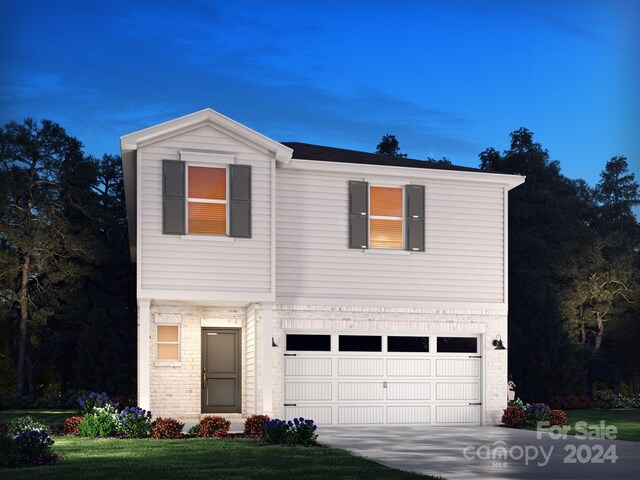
(201, 459)
(626, 420)
(48, 417)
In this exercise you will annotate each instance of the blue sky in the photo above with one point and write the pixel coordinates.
(447, 78)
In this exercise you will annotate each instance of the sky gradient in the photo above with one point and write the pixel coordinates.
(447, 78)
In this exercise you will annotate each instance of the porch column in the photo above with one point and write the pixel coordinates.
(144, 353)
(267, 364)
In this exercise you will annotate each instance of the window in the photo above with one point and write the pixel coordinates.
(168, 342)
(309, 343)
(408, 344)
(360, 343)
(457, 344)
(207, 200)
(385, 221)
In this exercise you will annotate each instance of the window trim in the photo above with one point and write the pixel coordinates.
(179, 342)
(202, 236)
(381, 217)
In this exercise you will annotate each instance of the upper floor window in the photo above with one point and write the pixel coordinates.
(384, 217)
(385, 221)
(207, 200)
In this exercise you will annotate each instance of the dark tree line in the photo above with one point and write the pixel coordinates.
(66, 283)
(67, 287)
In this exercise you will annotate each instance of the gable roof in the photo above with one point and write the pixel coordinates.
(308, 151)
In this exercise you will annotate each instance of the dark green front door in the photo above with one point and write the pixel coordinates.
(220, 370)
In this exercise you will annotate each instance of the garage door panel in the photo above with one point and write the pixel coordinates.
(319, 414)
(457, 367)
(408, 367)
(408, 391)
(458, 414)
(457, 391)
(300, 391)
(307, 367)
(360, 367)
(360, 391)
(361, 414)
(404, 414)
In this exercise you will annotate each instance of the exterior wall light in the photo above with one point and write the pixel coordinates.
(498, 343)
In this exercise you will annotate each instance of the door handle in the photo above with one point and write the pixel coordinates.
(204, 378)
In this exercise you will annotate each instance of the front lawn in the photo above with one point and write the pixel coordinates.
(48, 417)
(626, 420)
(201, 459)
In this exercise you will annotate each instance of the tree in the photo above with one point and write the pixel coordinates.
(389, 147)
(617, 193)
(46, 182)
(442, 161)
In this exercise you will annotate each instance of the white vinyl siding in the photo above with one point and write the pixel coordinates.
(464, 244)
(171, 263)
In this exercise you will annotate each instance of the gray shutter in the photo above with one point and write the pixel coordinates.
(414, 217)
(240, 201)
(173, 197)
(358, 214)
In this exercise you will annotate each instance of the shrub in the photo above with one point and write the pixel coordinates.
(301, 432)
(604, 399)
(49, 401)
(89, 401)
(100, 422)
(275, 431)
(536, 412)
(135, 422)
(211, 426)
(120, 402)
(194, 430)
(25, 424)
(517, 403)
(514, 417)
(71, 425)
(570, 402)
(9, 452)
(253, 425)
(622, 401)
(558, 417)
(166, 428)
(34, 447)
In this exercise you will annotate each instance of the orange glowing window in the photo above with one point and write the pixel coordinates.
(385, 222)
(207, 203)
(168, 342)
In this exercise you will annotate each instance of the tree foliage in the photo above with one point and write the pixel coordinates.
(389, 147)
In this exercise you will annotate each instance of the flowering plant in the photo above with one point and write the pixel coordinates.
(34, 446)
(70, 426)
(301, 432)
(558, 417)
(514, 417)
(212, 426)
(99, 422)
(253, 425)
(536, 412)
(88, 402)
(25, 424)
(166, 428)
(134, 422)
(275, 431)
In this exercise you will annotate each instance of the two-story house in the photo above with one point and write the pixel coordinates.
(298, 280)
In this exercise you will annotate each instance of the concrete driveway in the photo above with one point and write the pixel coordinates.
(460, 453)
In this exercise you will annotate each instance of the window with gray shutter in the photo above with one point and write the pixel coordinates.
(173, 197)
(240, 201)
(414, 218)
(358, 214)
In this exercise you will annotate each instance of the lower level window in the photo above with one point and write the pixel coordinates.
(360, 343)
(168, 343)
(458, 344)
(309, 343)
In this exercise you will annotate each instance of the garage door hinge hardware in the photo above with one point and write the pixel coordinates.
(479, 403)
(475, 356)
(290, 354)
(384, 384)
(290, 404)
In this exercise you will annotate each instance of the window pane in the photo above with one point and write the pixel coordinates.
(385, 233)
(408, 344)
(167, 351)
(386, 201)
(458, 344)
(209, 218)
(168, 333)
(360, 343)
(309, 343)
(209, 183)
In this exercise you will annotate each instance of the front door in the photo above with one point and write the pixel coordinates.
(220, 370)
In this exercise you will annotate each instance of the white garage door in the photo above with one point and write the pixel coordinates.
(383, 379)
